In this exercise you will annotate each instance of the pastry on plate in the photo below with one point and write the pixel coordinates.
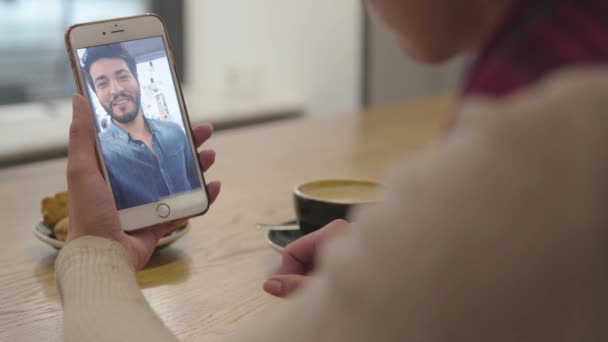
(61, 229)
(54, 209)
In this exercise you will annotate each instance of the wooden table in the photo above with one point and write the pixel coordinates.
(207, 281)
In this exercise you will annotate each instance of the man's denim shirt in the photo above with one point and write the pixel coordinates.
(137, 176)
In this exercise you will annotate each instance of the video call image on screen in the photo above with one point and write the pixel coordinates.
(139, 120)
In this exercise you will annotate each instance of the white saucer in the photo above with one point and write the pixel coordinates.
(44, 234)
(279, 239)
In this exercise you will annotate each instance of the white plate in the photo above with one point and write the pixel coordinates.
(279, 239)
(44, 234)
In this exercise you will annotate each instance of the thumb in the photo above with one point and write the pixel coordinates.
(285, 285)
(81, 150)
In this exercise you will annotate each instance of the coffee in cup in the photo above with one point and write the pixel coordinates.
(321, 202)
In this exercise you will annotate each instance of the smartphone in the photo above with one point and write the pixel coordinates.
(126, 70)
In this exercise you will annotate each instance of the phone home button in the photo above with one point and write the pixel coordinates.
(163, 210)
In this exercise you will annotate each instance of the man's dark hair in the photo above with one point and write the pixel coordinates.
(116, 50)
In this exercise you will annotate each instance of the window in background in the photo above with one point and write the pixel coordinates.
(33, 63)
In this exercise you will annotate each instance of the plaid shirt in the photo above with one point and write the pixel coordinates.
(537, 37)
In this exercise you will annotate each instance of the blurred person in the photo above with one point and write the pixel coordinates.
(497, 234)
(146, 159)
(517, 43)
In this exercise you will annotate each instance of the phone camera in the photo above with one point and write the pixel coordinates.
(104, 33)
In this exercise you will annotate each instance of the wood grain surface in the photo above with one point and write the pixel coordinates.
(207, 281)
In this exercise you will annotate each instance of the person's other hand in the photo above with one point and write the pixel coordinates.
(90, 202)
(299, 259)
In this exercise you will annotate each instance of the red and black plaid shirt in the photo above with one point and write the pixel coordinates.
(537, 37)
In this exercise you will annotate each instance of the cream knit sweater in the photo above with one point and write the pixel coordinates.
(499, 234)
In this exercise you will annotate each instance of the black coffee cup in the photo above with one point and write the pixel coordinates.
(321, 202)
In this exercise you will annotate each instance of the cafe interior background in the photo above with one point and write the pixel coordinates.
(242, 62)
(260, 71)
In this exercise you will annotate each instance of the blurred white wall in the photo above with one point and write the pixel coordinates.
(256, 47)
(394, 77)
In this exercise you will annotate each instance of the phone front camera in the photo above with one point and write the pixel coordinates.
(104, 33)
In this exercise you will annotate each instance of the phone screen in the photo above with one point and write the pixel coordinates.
(140, 122)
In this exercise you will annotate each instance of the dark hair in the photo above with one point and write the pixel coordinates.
(116, 50)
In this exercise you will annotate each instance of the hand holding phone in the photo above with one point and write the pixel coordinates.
(124, 67)
(91, 205)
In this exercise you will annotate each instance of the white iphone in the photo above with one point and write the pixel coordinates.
(126, 70)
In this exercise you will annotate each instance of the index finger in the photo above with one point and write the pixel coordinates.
(81, 148)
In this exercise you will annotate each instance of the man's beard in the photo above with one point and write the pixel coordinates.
(129, 116)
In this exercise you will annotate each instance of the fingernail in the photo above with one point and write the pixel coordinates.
(273, 286)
